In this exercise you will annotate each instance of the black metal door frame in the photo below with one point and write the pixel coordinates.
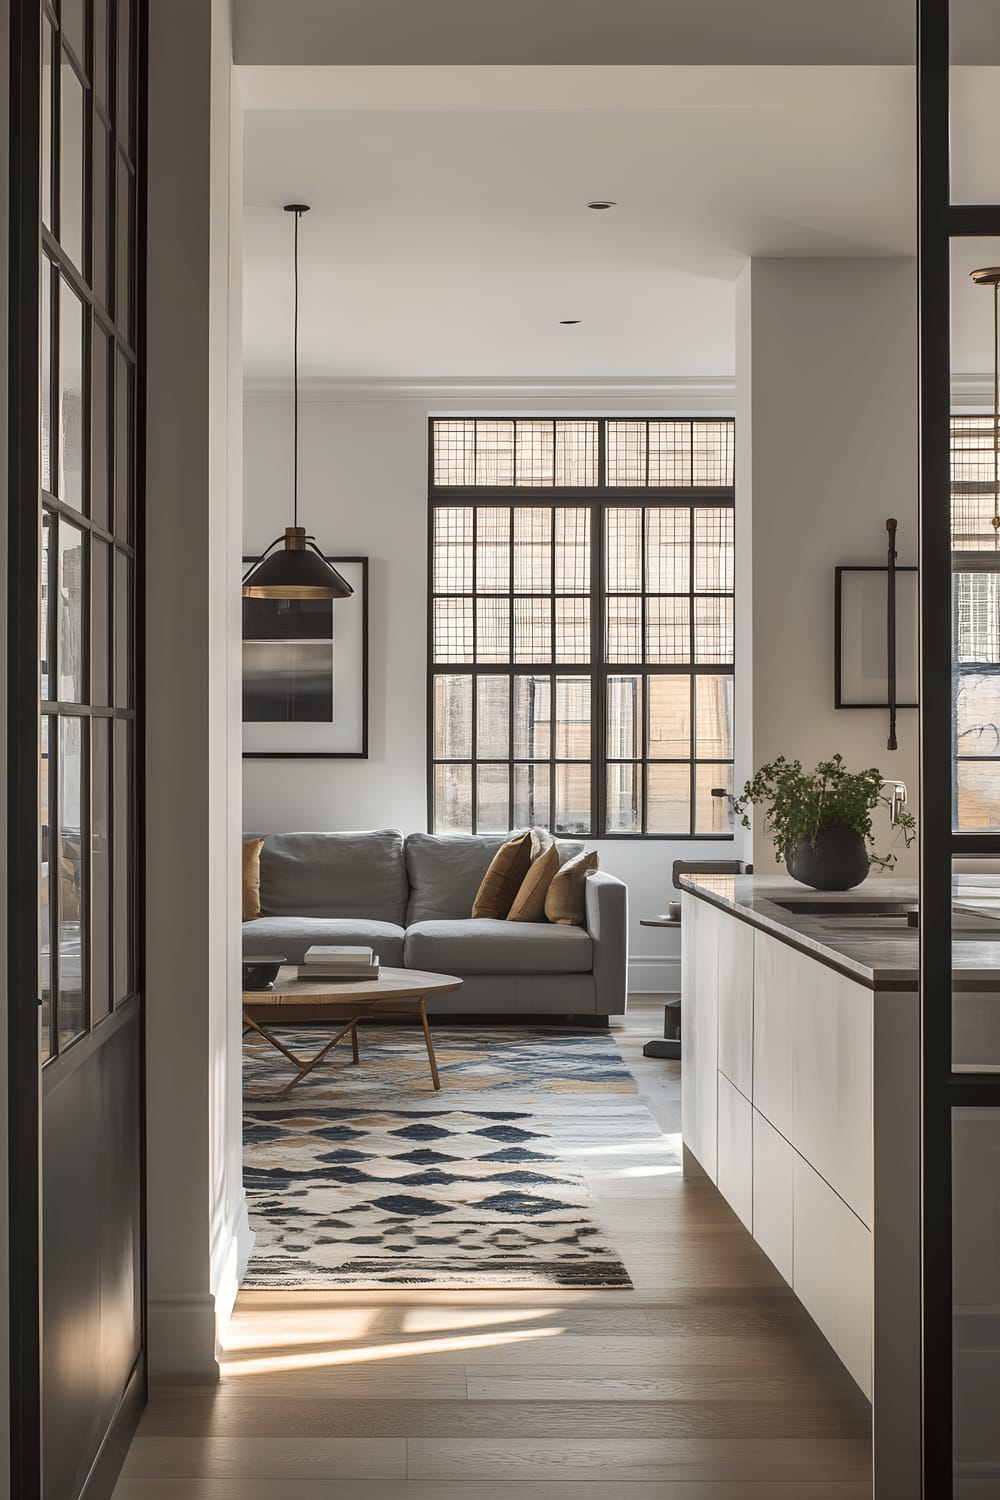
(942, 1090)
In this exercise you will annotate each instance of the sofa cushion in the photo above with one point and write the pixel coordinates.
(251, 878)
(334, 875)
(565, 899)
(529, 903)
(503, 877)
(446, 870)
(486, 945)
(289, 937)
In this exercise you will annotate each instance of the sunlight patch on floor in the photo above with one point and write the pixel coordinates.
(364, 1354)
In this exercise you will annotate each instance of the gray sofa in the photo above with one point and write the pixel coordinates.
(411, 901)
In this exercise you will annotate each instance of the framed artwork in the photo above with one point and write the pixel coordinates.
(305, 673)
(861, 638)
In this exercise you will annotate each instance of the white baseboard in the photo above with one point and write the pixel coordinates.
(654, 976)
(185, 1329)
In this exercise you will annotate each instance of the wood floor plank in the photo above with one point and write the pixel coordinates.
(651, 1460)
(221, 1458)
(576, 1489)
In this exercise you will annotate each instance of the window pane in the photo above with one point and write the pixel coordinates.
(532, 550)
(453, 799)
(46, 594)
(668, 799)
(624, 799)
(713, 814)
(100, 582)
(978, 794)
(47, 124)
(494, 453)
(532, 630)
(100, 79)
(455, 452)
(100, 468)
(977, 610)
(669, 717)
(670, 453)
(576, 453)
(668, 550)
(977, 713)
(624, 630)
(453, 550)
(72, 422)
(492, 550)
(573, 718)
(668, 631)
(713, 549)
(572, 574)
(492, 630)
(123, 448)
(492, 799)
(532, 717)
(452, 717)
(713, 625)
(972, 482)
(453, 630)
(531, 797)
(713, 453)
(71, 116)
(71, 21)
(100, 226)
(626, 453)
(70, 615)
(714, 711)
(573, 630)
(122, 854)
(70, 1010)
(535, 459)
(572, 799)
(493, 718)
(46, 377)
(100, 867)
(45, 899)
(624, 531)
(123, 631)
(624, 718)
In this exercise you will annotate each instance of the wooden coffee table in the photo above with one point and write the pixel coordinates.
(396, 992)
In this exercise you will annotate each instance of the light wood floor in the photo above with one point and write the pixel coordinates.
(706, 1382)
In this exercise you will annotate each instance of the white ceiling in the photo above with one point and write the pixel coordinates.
(449, 232)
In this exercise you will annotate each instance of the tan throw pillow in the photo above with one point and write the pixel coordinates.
(251, 878)
(502, 880)
(565, 902)
(529, 903)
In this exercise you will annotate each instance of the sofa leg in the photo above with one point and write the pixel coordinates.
(592, 1022)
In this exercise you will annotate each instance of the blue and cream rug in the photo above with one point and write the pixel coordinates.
(365, 1177)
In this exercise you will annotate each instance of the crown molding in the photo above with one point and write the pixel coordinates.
(972, 390)
(709, 394)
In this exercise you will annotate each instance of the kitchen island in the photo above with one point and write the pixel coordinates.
(800, 1100)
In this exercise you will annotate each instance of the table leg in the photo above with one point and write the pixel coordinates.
(250, 1025)
(430, 1043)
(355, 1053)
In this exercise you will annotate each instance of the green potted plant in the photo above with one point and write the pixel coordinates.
(821, 821)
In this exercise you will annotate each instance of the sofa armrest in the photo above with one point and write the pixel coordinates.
(607, 922)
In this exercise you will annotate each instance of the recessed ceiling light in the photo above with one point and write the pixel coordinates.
(602, 203)
(566, 322)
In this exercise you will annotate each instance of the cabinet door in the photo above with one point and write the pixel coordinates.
(832, 1270)
(736, 1150)
(773, 1033)
(736, 1002)
(833, 1079)
(773, 1177)
(700, 1031)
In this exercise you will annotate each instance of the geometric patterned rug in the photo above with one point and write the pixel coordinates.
(365, 1177)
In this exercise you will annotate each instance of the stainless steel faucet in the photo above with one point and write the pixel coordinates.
(897, 798)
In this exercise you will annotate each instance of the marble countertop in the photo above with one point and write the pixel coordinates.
(881, 950)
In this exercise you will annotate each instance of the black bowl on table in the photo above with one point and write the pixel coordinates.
(259, 973)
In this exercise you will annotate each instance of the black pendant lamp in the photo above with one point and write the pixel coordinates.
(299, 570)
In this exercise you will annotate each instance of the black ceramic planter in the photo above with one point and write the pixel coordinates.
(837, 861)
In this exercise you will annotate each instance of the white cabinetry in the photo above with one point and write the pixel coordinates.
(700, 928)
(773, 1173)
(832, 1269)
(736, 1150)
(735, 940)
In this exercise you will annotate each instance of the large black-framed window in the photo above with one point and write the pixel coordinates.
(975, 563)
(87, 777)
(581, 597)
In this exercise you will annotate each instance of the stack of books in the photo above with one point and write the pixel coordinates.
(339, 962)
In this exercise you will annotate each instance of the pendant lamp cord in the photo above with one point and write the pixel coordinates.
(295, 380)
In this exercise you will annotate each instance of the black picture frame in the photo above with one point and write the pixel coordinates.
(841, 699)
(344, 565)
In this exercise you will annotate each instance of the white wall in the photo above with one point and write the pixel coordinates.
(826, 360)
(198, 1233)
(363, 490)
